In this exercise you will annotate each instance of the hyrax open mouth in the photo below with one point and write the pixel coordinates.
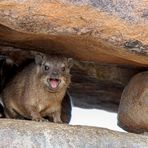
(54, 83)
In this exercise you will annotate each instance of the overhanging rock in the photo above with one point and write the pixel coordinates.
(17, 133)
(91, 30)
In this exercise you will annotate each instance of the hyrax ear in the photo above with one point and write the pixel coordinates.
(70, 62)
(38, 59)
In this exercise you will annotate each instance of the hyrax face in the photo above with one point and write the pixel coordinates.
(54, 72)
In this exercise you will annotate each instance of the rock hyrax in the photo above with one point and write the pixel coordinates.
(37, 91)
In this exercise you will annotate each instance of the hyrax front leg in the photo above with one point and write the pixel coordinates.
(9, 113)
(35, 115)
(57, 117)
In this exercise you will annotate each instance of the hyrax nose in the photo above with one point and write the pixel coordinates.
(55, 73)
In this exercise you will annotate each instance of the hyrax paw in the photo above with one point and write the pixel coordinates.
(57, 117)
(40, 120)
(58, 121)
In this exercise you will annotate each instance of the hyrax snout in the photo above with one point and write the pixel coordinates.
(54, 72)
(37, 91)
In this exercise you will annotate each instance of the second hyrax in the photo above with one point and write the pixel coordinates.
(38, 90)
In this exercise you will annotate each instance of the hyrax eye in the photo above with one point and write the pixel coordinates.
(46, 67)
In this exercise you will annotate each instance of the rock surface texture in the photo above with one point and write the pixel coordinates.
(101, 31)
(133, 108)
(111, 31)
(44, 135)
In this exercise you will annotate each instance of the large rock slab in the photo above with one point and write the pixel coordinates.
(100, 31)
(17, 133)
(133, 108)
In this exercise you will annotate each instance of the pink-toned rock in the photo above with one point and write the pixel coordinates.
(100, 31)
(133, 109)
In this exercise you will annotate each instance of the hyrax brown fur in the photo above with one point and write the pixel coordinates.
(37, 91)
